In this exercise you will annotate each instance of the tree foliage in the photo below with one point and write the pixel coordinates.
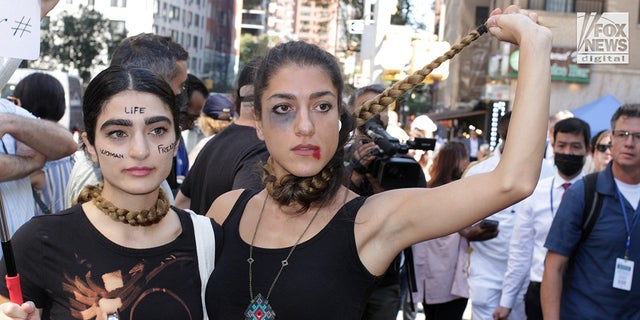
(79, 41)
(252, 47)
(404, 15)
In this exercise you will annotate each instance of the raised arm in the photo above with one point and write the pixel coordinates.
(395, 219)
(46, 137)
(46, 6)
(21, 164)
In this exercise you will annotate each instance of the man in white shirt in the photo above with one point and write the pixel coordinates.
(25, 144)
(534, 216)
(488, 259)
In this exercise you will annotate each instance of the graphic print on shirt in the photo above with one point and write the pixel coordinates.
(123, 292)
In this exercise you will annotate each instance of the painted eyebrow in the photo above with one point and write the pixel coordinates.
(128, 123)
(116, 122)
(157, 119)
(288, 96)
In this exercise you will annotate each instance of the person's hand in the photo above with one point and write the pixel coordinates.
(26, 311)
(477, 233)
(46, 6)
(365, 154)
(501, 313)
(513, 24)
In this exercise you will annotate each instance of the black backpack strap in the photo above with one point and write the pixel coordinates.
(593, 204)
(39, 201)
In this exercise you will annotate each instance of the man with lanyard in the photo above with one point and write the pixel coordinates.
(595, 276)
(534, 215)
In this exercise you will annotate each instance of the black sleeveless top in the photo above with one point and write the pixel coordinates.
(325, 278)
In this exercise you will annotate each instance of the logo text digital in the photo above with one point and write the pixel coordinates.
(603, 39)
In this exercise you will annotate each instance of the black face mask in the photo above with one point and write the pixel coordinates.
(568, 164)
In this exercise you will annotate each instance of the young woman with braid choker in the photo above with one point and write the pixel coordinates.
(306, 247)
(122, 252)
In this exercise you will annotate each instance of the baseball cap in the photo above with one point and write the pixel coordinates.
(424, 123)
(218, 107)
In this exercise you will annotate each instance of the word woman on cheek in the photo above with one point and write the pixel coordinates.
(111, 154)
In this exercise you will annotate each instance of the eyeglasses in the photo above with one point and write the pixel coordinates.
(602, 147)
(622, 135)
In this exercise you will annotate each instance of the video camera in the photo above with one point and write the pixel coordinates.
(393, 168)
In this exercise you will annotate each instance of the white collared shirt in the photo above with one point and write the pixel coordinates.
(526, 249)
(17, 197)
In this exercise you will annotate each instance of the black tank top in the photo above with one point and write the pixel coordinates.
(325, 278)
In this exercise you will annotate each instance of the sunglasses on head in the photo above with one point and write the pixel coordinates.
(602, 147)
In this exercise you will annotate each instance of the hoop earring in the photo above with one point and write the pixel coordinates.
(339, 125)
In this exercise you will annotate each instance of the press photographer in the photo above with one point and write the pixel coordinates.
(375, 162)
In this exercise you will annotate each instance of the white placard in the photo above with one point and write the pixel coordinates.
(20, 29)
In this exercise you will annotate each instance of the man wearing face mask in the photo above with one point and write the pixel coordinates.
(534, 216)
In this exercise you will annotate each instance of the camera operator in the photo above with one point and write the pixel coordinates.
(362, 153)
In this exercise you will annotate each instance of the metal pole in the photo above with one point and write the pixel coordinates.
(12, 278)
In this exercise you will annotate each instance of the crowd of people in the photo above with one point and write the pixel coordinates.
(280, 210)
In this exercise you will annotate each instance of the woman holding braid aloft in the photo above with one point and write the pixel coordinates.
(306, 247)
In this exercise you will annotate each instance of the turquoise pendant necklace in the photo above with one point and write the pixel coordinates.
(259, 307)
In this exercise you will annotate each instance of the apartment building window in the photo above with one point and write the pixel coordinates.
(156, 7)
(189, 18)
(174, 13)
(119, 3)
(117, 26)
(568, 5)
(196, 21)
(223, 18)
(195, 42)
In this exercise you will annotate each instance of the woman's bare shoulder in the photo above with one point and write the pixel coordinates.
(221, 207)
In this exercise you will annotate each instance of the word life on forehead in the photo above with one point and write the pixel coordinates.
(134, 110)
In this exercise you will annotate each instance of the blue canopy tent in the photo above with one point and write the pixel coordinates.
(598, 113)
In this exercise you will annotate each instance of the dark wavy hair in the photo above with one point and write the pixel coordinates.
(324, 185)
(246, 76)
(42, 94)
(446, 164)
(146, 50)
(116, 79)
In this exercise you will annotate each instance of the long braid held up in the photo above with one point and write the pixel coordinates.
(374, 106)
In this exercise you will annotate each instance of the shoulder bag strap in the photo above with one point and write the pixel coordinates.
(206, 251)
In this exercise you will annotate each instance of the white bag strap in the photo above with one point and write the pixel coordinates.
(206, 251)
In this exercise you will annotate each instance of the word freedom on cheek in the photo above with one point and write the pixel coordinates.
(111, 154)
(166, 149)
